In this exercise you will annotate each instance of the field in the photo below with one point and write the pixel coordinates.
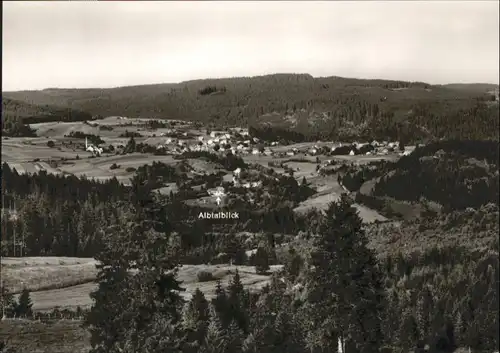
(63, 336)
(31, 154)
(66, 282)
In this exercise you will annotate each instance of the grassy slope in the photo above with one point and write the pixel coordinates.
(24, 336)
(67, 282)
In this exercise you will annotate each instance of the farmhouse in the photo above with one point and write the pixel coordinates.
(218, 191)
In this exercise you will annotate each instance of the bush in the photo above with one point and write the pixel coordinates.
(205, 276)
(114, 166)
(130, 169)
(50, 144)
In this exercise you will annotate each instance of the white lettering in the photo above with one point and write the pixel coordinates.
(219, 215)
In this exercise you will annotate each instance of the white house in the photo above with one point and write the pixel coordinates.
(200, 138)
(351, 153)
(210, 142)
(96, 151)
(213, 134)
(290, 153)
(218, 191)
(255, 151)
(268, 152)
(237, 172)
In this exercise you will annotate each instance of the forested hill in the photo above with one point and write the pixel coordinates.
(36, 113)
(325, 107)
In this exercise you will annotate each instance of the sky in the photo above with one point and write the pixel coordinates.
(73, 44)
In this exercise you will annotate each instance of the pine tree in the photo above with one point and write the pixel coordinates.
(216, 340)
(425, 306)
(261, 259)
(409, 334)
(293, 264)
(235, 338)
(236, 300)
(220, 303)
(24, 305)
(196, 316)
(137, 304)
(346, 282)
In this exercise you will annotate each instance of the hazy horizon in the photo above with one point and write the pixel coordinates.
(242, 76)
(116, 44)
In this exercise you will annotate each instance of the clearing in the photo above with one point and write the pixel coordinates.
(66, 282)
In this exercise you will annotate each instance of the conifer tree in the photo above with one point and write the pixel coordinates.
(196, 316)
(425, 307)
(409, 334)
(137, 304)
(236, 300)
(24, 305)
(261, 259)
(220, 304)
(216, 340)
(346, 282)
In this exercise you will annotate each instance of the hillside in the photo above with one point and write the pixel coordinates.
(473, 87)
(454, 174)
(323, 107)
(37, 113)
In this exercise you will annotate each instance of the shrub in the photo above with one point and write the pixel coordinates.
(50, 144)
(114, 166)
(205, 276)
(130, 169)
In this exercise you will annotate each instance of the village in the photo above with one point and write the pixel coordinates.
(239, 142)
